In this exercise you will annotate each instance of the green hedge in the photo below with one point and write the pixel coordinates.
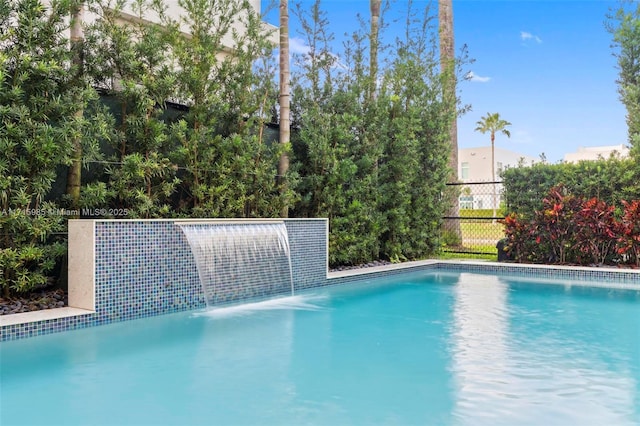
(610, 180)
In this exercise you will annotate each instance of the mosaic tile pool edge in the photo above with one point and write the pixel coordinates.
(595, 277)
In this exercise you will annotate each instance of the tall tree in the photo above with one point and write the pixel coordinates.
(414, 166)
(374, 5)
(447, 67)
(74, 173)
(492, 123)
(624, 25)
(285, 100)
(448, 71)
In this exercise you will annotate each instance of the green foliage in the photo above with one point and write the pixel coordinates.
(368, 152)
(228, 166)
(374, 165)
(610, 180)
(130, 63)
(334, 156)
(413, 170)
(38, 96)
(624, 25)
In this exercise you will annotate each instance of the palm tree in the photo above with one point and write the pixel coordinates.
(493, 124)
(374, 6)
(74, 173)
(447, 68)
(285, 101)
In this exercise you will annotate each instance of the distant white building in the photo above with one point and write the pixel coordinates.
(596, 152)
(474, 169)
(174, 11)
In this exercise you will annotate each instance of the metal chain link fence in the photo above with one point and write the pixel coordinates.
(476, 229)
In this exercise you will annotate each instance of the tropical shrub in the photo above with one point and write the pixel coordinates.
(596, 234)
(519, 241)
(556, 226)
(575, 230)
(39, 97)
(629, 235)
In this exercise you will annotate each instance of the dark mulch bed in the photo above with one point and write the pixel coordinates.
(366, 265)
(36, 301)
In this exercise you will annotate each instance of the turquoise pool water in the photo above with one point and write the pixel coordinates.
(431, 349)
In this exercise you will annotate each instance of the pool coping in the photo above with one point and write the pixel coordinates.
(336, 277)
(42, 315)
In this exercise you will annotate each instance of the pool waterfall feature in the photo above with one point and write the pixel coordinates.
(240, 254)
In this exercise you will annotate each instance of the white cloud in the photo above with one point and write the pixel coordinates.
(476, 78)
(526, 36)
(298, 46)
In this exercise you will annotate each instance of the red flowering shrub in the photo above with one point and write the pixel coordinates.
(596, 232)
(520, 245)
(629, 233)
(555, 224)
(569, 229)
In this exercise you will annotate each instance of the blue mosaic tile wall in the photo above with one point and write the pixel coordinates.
(308, 246)
(143, 269)
(146, 268)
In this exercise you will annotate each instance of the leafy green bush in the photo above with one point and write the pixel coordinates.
(610, 180)
(39, 96)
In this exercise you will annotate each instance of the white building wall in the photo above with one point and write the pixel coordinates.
(477, 162)
(474, 165)
(174, 11)
(596, 152)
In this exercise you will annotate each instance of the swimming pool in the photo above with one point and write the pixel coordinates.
(433, 347)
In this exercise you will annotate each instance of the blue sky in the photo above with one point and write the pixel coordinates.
(546, 66)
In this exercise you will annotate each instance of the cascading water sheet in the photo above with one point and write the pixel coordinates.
(237, 261)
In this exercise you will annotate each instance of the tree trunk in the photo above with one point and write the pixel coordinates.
(74, 174)
(374, 43)
(493, 174)
(285, 130)
(447, 68)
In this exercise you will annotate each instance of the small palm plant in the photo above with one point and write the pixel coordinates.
(493, 124)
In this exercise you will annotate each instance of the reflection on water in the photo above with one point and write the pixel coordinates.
(514, 363)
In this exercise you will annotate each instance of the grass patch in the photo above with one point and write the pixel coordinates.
(481, 230)
(481, 213)
(443, 255)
